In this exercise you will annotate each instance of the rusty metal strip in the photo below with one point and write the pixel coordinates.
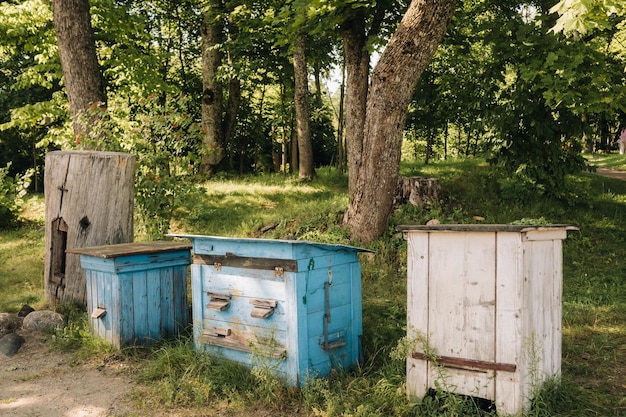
(287, 265)
(468, 363)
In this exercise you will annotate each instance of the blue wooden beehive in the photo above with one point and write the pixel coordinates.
(136, 292)
(293, 306)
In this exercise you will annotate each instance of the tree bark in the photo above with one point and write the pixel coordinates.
(212, 93)
(84, 84)
(303, 119)
(405, 57)
(89, 202)
(357, 63)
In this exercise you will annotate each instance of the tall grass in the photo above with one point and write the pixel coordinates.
(173, 376)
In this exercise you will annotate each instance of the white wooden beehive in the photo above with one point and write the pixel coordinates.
(487, 299)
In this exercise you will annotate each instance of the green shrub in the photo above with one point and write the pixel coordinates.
(12, 192)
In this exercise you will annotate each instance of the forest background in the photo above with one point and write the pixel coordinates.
(511, 81)
(507, 86)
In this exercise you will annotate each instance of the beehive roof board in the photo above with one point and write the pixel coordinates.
(267, 248)
(485, 227)
(129, 249)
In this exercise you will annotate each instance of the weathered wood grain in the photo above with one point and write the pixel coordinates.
(89, 202)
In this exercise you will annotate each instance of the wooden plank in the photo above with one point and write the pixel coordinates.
(482, 228)
(468, 364)
(356, 321)
(417, 309)
(166, 302)
(197, 300)
(234, 261)
(130, 249)
(126, 306)
(509, 395)
(181, 311)
(140, 301)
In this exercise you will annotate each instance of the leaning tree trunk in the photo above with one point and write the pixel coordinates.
(303, 122)
(405, 57)
(89, 202)
(84, 83)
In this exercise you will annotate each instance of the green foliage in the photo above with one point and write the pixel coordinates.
(12, 192)
(165, 137)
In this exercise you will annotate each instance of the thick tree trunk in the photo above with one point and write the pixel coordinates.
(303, 119)
(84, 83)
(212, 95)
(400, 66)
(89, 202)
(357, 65)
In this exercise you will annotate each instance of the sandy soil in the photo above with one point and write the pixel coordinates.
(39, 382)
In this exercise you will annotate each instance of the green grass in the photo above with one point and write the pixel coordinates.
(22, 259)
(172, 376)
(611, 160)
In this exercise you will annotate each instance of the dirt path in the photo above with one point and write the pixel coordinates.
(39, 382)
(612, 173)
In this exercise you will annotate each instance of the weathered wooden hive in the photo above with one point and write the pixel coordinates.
(89, 202)
(294, 306)
(136, 292)
(485, 300)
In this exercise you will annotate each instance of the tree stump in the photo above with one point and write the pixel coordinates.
(418, 191)
(89, 202)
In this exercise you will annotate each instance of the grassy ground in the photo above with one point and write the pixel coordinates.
(594, 300)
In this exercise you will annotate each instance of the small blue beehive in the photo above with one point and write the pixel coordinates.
(293, 306)
(136, 292)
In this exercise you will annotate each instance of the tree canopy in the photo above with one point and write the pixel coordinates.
(527, 84)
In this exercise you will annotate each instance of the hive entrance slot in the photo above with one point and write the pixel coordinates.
(59, 245)
(263, 308)
(218, 302)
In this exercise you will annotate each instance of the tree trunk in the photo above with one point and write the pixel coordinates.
(212, 96)
(234, 94)
(303, 119)
(405, 57)
(357, 64)
(89, 202)
(84, 83)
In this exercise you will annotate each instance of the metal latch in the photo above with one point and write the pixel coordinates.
(219, 302)
(338, 341)
(263, 308)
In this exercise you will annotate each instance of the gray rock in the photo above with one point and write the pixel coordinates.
(43, 320)
(9, 323)
(11, 343)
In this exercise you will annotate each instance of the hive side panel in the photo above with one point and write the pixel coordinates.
(554, 367)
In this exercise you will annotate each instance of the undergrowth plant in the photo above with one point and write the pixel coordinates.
(12, 192)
